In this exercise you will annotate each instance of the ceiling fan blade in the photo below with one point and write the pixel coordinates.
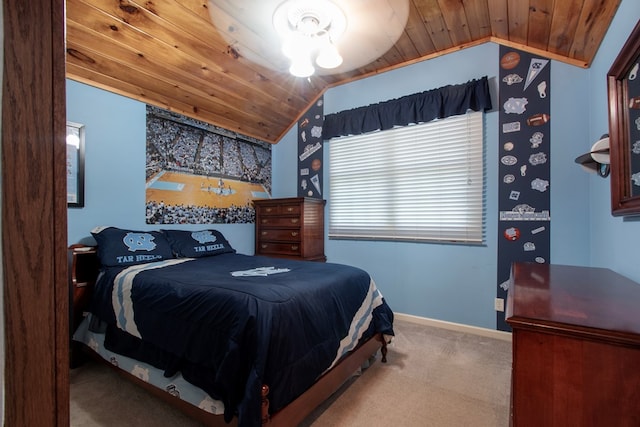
(374, 27)
(246, 26)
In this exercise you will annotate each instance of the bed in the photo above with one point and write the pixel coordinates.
(228, 337)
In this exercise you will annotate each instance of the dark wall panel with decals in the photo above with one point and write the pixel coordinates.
(524, 173)
(310, 151)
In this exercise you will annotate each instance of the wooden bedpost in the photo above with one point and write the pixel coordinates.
(383, 349)
(265, 404)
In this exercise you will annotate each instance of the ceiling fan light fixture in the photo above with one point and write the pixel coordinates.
(260, 31)
(310, 28)
(329, 57)
(293, 45)
(308, 24)
(301, 67)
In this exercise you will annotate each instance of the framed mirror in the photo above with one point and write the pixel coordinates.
(75, 165)
(623, 84)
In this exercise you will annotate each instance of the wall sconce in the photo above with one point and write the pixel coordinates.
(597, 160)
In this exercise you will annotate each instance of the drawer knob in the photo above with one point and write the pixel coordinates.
(264, 233)
(264, 246)
(265, 221)
(294, 233)
(289, 209)
(268, 209)
(294, 220)
(294, 247)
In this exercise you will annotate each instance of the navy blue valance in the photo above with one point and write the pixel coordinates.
(451, 100)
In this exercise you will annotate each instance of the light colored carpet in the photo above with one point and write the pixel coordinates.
(434, 377)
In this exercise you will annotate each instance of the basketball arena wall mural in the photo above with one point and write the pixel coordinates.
(197, 173)
(523, 170)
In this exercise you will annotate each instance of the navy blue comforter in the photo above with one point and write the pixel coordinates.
(232, 322)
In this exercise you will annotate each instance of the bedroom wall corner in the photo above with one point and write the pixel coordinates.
(284, 156)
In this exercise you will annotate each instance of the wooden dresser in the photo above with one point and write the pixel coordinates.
(576, 346)
(290, 228)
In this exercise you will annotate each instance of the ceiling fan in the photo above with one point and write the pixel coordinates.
(304, 37)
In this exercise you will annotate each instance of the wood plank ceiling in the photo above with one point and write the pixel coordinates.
(169, 54)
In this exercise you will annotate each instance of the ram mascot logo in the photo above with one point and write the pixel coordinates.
(203, 237)
(139, 242)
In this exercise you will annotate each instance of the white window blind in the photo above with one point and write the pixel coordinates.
(418, 182)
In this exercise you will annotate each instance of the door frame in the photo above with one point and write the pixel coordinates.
(34, 215)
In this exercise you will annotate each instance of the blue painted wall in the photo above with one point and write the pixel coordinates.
(447, 282)
(614, 241)
(453, 282)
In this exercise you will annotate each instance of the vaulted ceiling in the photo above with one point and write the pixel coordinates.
(169, 54)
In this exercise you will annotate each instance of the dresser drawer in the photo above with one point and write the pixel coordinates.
(279, 234)
(282, 209)
(279, 248)
(279, 221)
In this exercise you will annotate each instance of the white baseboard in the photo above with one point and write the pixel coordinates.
(490, 333)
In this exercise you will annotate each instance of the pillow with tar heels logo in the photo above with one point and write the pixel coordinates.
(120, 247)
(196, 244)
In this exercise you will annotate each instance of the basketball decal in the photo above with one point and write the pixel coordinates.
(524, 183)
(510, 60)
(512, 234)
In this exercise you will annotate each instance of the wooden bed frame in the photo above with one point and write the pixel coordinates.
(83, 270)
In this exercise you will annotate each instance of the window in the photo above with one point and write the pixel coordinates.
(420, 182)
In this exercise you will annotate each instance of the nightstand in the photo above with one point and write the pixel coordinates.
(83, 271)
